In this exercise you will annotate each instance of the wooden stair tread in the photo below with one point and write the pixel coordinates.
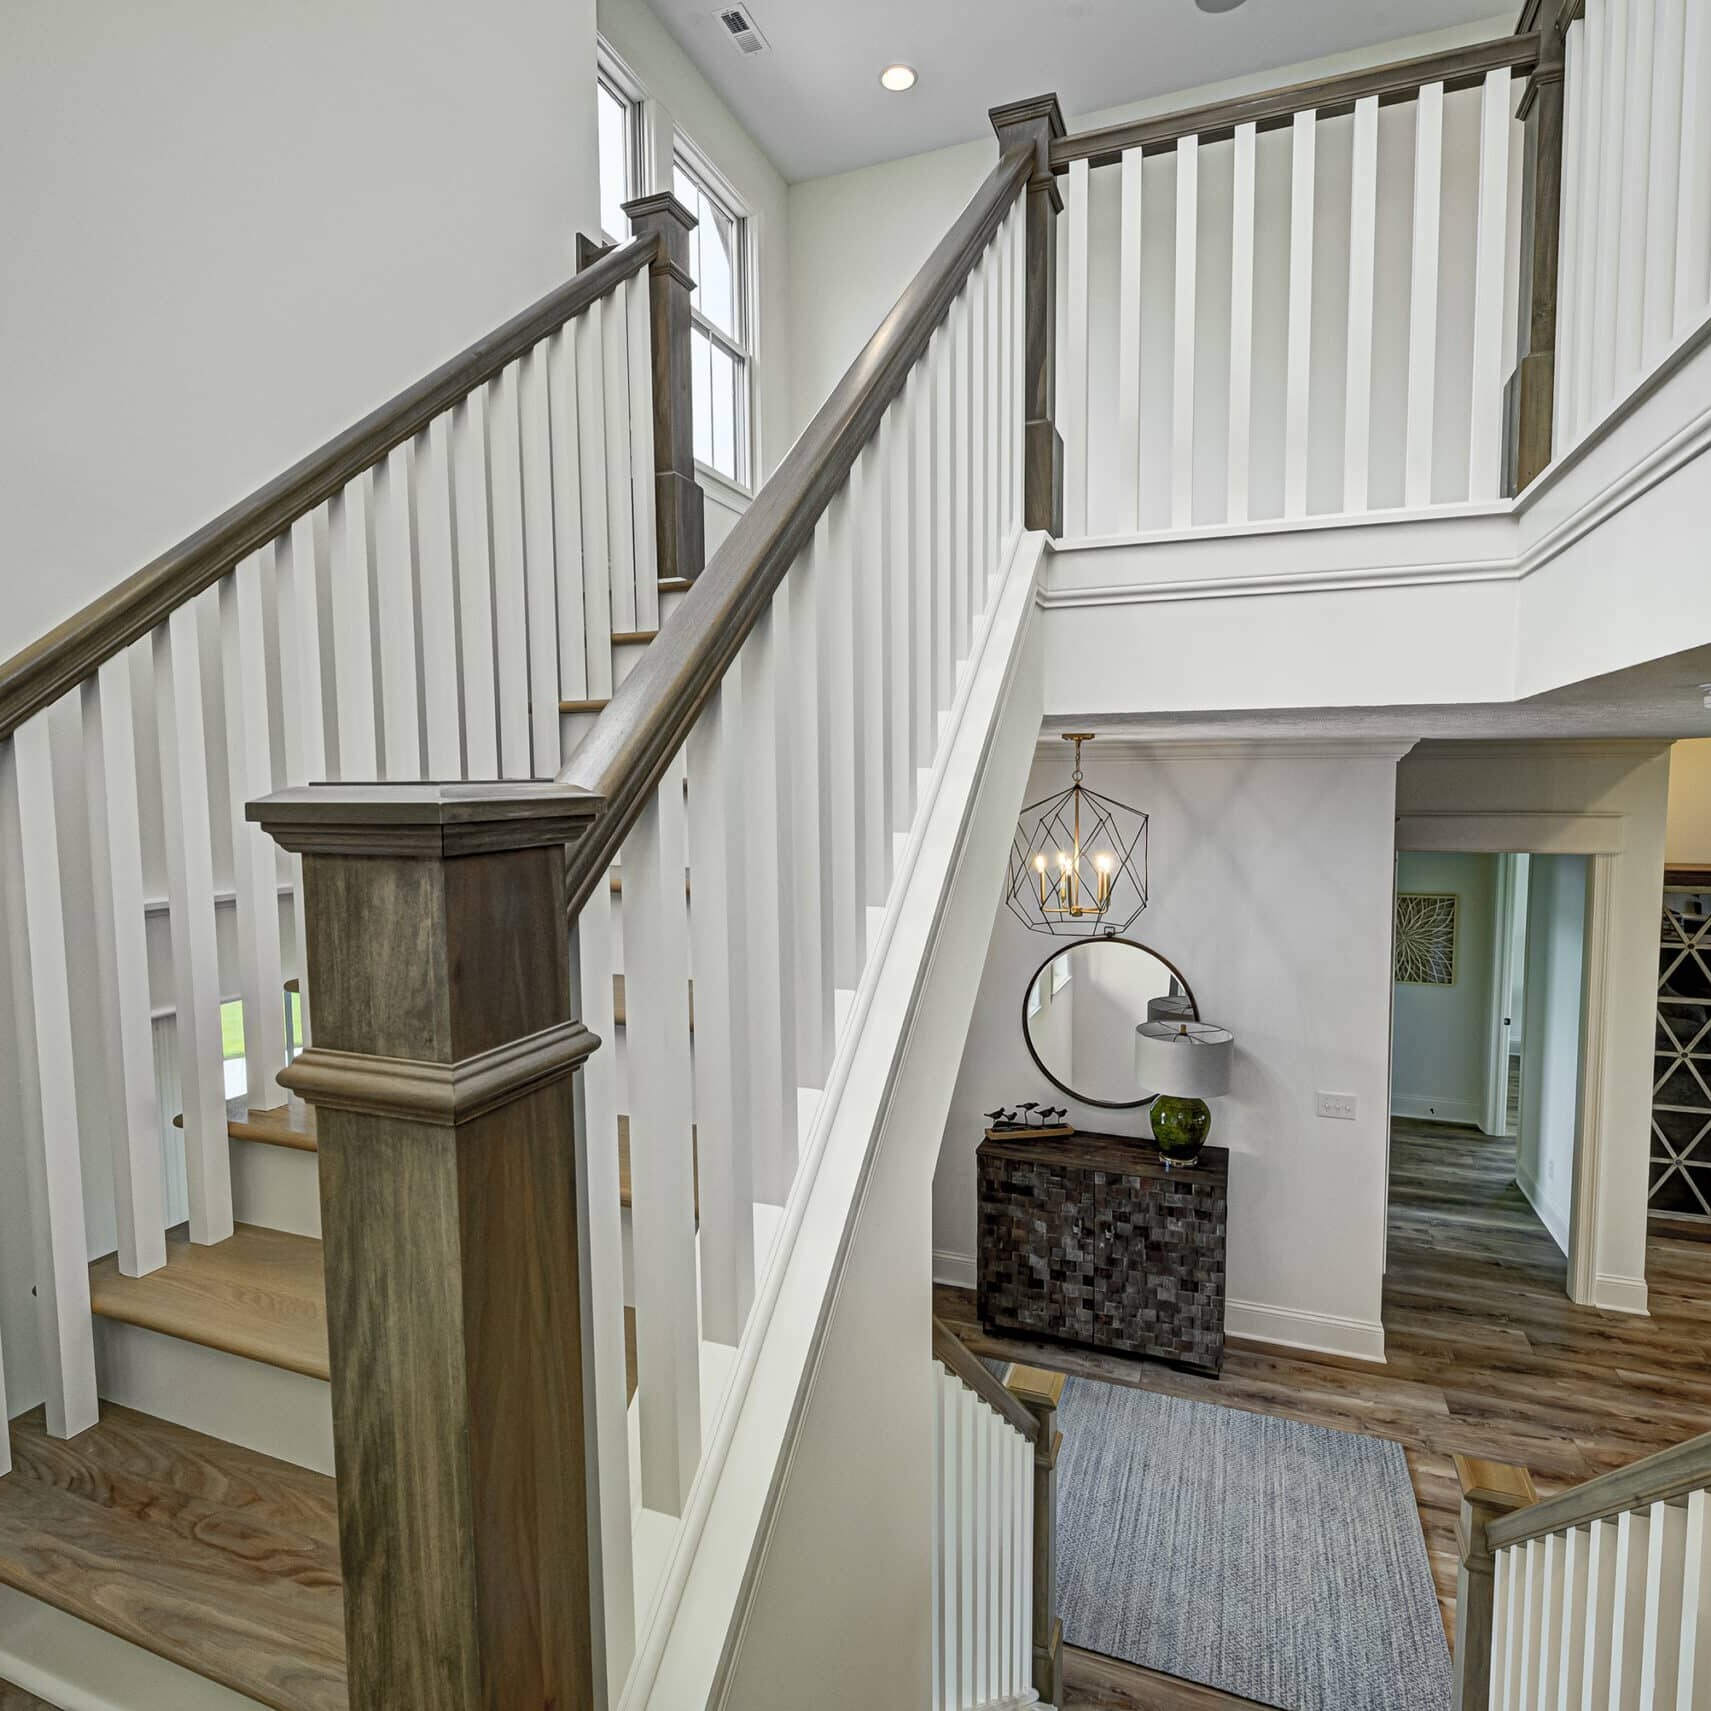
(259, 1294)
(215, 1557)
(624, 1164)
(289, 1125)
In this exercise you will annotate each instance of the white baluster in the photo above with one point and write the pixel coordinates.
(581, 592)
(662, 1184)
(620, 406)
(1693, 240)
(1567, 374)
(642, 452)
(979, 423)
(950, 1537)
(765, 816)
(1535, 1595)
(983, 1545)
(1660, 1658)
(255, 860)
(718, 953)
(1593, 228)
(1129, 257)
(1241, 324)
(1502, 1591)
(1629, 330)
(936, 1545)
(395, 592)
(190, 890)
(42, 1008)
(1299, 373)
(1423, 292)
(540, 573)
(116, 863)
(873, 710)
(1600, 1616)
(939, 521)
(475, 586)
(510, 577)
(353, 638)
(1627, 1639)
(1663, 177)
(841, 736)
(1613, 224)
(899, 608)
(1571, 1664)
(952, 491)
(437, 616)
(809, 831)
(1548, 1669)
(1515, 1632)
(968, 1502)
(586, 612)
(1363, 237)
(1073, 380)
(1485, 442)
(1004, 1507)
(600, 1217)
(1693, 1679)
(304, 719)
(1182, 382)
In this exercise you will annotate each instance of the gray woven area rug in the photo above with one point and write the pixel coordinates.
(1277, 1561)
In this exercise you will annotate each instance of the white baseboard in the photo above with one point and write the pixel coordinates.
(1619, 1294)
(1321, 1333)
(955, 1269)
(1554, 1222)
(1424, 1108)
(75, 1665)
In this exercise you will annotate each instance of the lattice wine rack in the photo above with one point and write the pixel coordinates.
(1681, 1089)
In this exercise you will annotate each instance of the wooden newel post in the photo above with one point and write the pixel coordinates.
(677, 497)
(1530, 400)
(441, 1075)
(1037, 122)
(1488, 1489)
(1040, 1392)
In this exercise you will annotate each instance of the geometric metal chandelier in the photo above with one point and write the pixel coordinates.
(1078, 864)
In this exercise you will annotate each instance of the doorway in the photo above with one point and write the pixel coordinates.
(1489, 1033)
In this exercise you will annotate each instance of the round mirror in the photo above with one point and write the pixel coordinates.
(1081, 1011)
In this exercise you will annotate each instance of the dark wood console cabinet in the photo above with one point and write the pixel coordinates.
(1091, 1239)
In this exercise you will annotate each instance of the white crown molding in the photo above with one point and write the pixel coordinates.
(1555, 748)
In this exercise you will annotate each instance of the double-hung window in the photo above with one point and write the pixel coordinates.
(720, 340)
(618, 107)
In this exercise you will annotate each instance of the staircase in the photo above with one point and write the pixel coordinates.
(628, 912)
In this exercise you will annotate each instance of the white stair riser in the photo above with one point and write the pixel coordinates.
(276, 1187)
(226, 1396)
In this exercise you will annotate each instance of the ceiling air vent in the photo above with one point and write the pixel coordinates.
(741, 29)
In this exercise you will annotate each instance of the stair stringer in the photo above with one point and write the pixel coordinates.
(765, 1580)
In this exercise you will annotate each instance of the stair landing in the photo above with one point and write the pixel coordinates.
(212, 1556)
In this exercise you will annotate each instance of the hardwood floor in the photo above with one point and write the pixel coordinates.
(1486, 1355)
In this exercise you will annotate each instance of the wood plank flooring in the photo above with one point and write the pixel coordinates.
(220, 1559)
(1486, 1354)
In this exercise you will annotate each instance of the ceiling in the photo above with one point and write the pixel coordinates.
(1664, 698)
(814, 101)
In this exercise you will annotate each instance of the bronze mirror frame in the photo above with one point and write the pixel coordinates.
(1065, 950)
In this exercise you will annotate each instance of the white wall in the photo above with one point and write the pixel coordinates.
(858, 237)
(689, 102)
(1271, 890)
(1688, 841)
(1551, 798)
(1442, 1039)
(231, 231)
(1550, 1061)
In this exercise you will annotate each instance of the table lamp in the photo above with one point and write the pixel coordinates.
(1185, 1063)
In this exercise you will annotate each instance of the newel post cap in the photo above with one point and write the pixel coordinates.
(425, 821)
(1037, 120)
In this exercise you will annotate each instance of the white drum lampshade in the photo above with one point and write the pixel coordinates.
(1183, 1059)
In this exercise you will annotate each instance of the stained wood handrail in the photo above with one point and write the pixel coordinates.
(950, 1351)
(1670, 1474)
(625, 755)
(1271, 109)
(39, 674)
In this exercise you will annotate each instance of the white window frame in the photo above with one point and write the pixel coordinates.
(613, 75)
(744, 349)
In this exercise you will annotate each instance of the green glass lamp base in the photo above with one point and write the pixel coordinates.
(1180, 1127)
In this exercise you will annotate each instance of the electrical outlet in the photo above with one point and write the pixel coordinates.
(1337, 1105)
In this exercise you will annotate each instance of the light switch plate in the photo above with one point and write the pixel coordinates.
(1340, 1105)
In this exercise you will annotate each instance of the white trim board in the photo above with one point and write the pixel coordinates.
(1424, 1108)
(1295, 1328)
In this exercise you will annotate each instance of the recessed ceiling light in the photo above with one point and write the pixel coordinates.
(898, 77)
(1217, 5)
